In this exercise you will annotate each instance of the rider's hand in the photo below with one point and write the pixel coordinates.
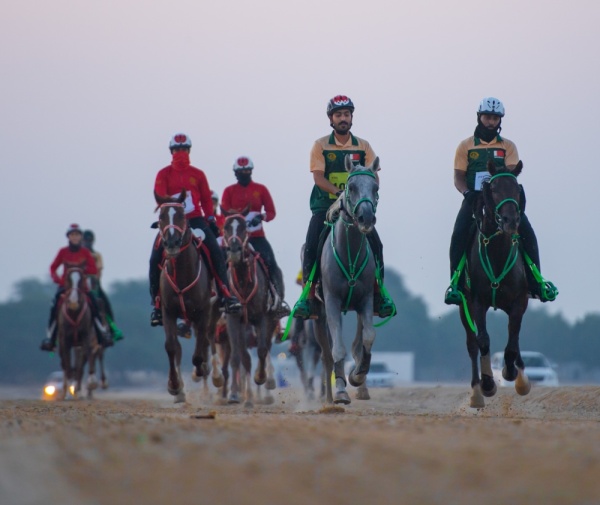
(255, 221)
(212, 224)
(470, 195)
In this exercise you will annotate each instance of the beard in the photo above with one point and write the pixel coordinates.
(342, 128)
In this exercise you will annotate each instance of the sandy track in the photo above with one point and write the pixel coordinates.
(411, 445)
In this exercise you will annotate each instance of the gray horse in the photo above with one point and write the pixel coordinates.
(348, 277)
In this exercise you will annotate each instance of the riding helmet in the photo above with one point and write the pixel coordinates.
(243, 163)
(180, 140)
(74, 228)
(491, 105)
(339, 102)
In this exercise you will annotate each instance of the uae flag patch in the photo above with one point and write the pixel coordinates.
(498, 154)
(355, 157)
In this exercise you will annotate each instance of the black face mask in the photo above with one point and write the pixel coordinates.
(487, 134)
(243, 179)
(74, 247)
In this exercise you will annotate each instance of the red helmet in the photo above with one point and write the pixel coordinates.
(339, 102)
(180, 140)
(243, 163)
(74, 228)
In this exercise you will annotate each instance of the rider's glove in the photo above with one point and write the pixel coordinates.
(255, 221)
(212, 224)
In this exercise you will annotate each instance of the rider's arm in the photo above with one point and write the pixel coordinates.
(268, 205)
(460, 180)
(512, 156)
(90, 262)
(323, 183)
(58, 261)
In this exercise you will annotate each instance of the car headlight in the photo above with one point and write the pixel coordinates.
(49, 390)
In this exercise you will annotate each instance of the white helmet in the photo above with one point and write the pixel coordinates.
(491, 105)
(180, 140)
(243, 163)
(214, 196)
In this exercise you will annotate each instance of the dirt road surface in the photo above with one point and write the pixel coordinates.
(408, 445)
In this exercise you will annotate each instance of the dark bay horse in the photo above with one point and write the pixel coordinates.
(248, 281)
(186, 293)
(76, 334)
(496, 273)
(97, 352)
(348, 278)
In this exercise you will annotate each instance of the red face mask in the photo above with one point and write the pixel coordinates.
(181, 160)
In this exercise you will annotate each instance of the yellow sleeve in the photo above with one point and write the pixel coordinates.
(461, 158)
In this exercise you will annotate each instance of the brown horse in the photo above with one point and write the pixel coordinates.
(248, 281)
(496, 271)
(76, 334)
(186, 293)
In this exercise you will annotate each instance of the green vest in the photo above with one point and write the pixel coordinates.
(335, 172)
(478, 159)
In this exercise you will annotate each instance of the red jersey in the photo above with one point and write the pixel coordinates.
(170, 181)
(82, 257)
(236, 197)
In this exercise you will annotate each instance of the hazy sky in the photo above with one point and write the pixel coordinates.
(92, 91)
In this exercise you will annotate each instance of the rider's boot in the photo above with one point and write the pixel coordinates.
(184, 330)
(228, 302)
(383, 306)
(453, 295)
(49, 343)
(103, 333)
(306, 308)
(156, 315)
(115, 331)
(538, 287)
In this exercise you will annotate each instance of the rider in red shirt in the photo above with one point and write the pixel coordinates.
(247, 193)
(73, 254)
(170, 181)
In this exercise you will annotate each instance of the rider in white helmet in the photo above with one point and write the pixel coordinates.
(470, 170)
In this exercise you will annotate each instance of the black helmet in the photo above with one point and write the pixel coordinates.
(88, 236)
(339, 102)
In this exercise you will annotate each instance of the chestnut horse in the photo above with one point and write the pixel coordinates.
(248, 281)
(76, 333)
(496, 273)
(186, 293)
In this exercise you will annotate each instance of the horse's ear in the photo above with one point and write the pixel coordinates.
(348, 165)
(517, 170)
(181, 197)
(159, 199)
(375, 165)
(491, 167)
(486, 191)
(246, 210)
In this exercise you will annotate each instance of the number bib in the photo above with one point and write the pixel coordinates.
(339, 180)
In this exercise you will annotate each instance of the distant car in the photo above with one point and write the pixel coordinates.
(537, 367)
(53, 387)
(380, 376)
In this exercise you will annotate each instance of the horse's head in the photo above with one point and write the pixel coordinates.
(172, 222)
(361, 194)
(235, 237)
(75, 285)
(502, 197)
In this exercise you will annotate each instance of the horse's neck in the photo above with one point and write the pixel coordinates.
(185, 264)
(244, 268)
(498, 241)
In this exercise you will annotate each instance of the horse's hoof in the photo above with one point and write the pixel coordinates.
(179, 397)
(509, 376)
(342, 397)
(477, 401)
(259, 379)
(233, 399)
(174, 391)
(488, 386)
(522, 384)
(92, 384)
(362, 393)
(195, 376)
(270, 384)
(218, 381)
(356, 380)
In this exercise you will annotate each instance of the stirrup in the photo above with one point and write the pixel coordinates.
(47, 345)
(453, 296)
(282, 311)
(156, 318)
(232, 306)
(305, 309)
(548, 292)
(385, 307)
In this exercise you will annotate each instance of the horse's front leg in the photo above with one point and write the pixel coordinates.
(260, 375)
(173, 347)
(200, 356)
(514, 368)
(334, 321)
(322, 337)
(361, 348)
